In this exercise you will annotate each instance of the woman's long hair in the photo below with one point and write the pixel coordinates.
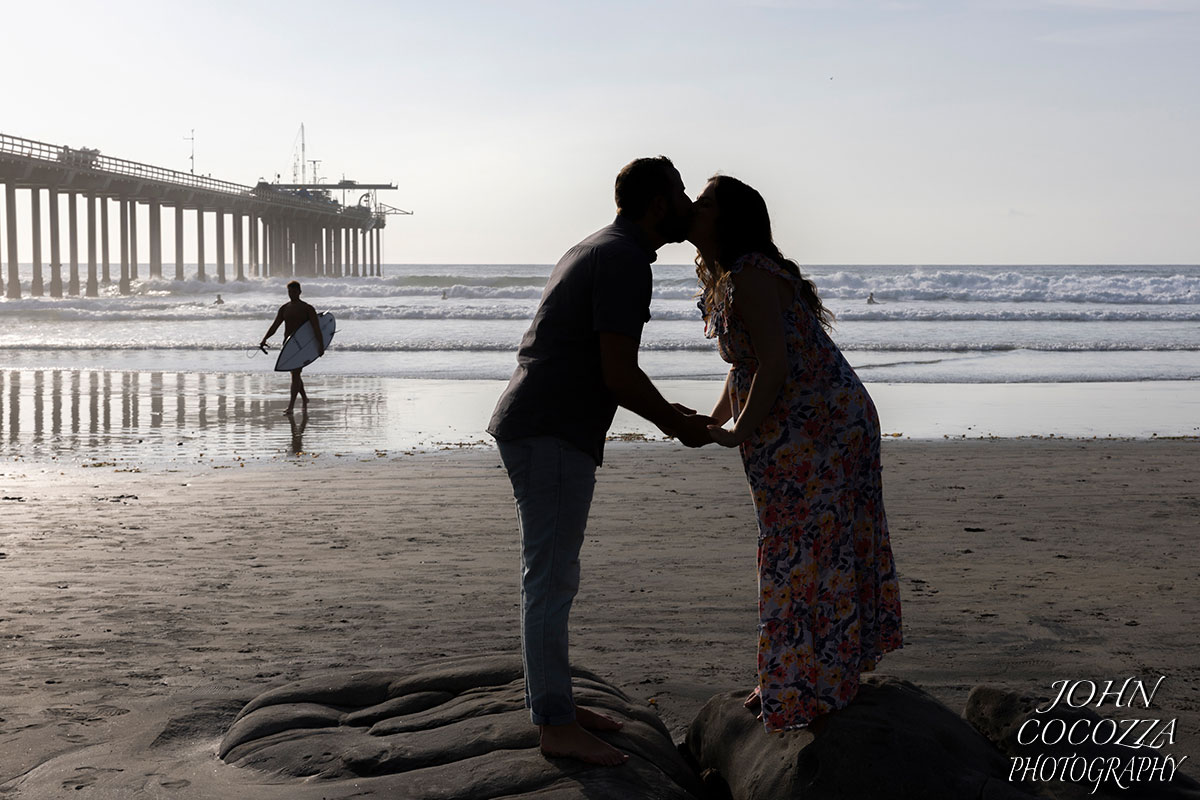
(743, 226)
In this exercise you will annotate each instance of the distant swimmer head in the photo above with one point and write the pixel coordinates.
(293, 288)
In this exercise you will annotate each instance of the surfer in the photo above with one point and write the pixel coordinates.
(292, 315)
(871, 301)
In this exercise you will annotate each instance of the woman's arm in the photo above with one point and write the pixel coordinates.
(756, 301)
(723, 410)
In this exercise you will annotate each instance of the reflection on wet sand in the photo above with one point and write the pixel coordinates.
(299, 423)
(101, 416)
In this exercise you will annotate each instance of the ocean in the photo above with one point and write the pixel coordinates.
(974, 331)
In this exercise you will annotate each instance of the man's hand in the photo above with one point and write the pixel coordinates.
(694, 430)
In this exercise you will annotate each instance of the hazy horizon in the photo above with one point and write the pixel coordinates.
(1006, 132)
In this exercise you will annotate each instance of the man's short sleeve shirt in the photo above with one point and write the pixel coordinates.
(601, 285)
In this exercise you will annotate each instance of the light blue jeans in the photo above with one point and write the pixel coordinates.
(552, 483)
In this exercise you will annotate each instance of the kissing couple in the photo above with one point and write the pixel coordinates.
(808, 432)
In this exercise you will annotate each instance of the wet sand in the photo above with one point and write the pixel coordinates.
(133, 418)
(146, 602)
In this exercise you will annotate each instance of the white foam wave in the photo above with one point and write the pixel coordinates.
(456, 346)
(1143, 285)
(1024, 313)
(165, 309)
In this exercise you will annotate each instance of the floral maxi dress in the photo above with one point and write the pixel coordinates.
(829, 603)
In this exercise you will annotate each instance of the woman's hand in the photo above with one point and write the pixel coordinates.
(725, 438)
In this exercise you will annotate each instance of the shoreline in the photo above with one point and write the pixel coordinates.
(168, 597)
(132, 418)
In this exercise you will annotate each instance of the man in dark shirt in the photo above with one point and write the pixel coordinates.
(576, 364)
(292, 315)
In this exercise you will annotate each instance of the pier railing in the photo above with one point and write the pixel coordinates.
(88, 159)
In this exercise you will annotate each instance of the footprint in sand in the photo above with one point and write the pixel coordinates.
(85, 777)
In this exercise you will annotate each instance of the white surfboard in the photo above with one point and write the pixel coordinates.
(301, 350)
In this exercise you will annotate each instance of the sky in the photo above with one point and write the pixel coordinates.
(971, 132)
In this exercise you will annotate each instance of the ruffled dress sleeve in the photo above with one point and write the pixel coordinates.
(718, 323)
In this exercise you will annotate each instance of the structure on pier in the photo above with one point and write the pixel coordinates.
(277, 229)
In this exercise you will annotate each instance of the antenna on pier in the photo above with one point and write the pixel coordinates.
(303, 177)
(314, 162)
(192, 157)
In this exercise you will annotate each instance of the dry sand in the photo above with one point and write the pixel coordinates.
(141, 609)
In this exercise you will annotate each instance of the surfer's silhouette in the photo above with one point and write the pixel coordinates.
(292, 315)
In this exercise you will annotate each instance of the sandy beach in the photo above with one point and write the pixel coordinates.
(144, 607)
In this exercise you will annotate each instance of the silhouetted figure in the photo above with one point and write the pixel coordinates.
(292, 315)
(218, 301)
(576, 364)
(829, 605)
(871, 301)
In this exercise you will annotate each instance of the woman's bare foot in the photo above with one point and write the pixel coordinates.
(572, 741)
(595, 721)
(754, 703)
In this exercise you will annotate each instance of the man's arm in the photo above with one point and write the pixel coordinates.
(274, 327)
(634, 390)
(316, 326)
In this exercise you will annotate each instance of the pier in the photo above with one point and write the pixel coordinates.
(274, 229)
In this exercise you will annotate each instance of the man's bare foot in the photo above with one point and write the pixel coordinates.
(289, 411)
(572, 741)
(595, 721)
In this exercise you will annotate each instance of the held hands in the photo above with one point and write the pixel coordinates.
(726, 438)
(694, 430)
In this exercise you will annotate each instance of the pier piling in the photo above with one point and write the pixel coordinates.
(93, 288)
(73, 242)
(10, 228)
(56, 288)
(178, 242)
(220, 223)
(105, 276)
(123, 287)
(36, 287)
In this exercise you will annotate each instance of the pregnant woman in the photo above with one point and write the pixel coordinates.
(829, 603)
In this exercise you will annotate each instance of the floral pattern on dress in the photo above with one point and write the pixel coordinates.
(829, 601)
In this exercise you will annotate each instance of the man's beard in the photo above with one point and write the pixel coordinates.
(675, 228)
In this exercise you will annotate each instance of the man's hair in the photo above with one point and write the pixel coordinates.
(293, 288)
(640, 181)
